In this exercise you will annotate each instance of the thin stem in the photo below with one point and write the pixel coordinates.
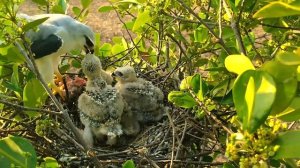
(219, 40)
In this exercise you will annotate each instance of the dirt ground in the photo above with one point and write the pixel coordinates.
(107, 24)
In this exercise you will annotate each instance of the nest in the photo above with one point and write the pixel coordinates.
(178, 140)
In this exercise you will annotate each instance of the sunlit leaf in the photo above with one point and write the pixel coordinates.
(50, 162)
(40, 2)
(105, 50)
(128, 164)
(201, 34)
(286, 84)
(277, 9)
(289, 146)
(253, 95)
(34, 96)
(288, 58)
(143, 17)
(34, 24)
(86, 3)
(105, 8)
(292, 113)
(238, 64)
(76, 10)
(17, 151)
(182, 99)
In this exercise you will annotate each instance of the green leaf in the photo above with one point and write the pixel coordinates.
(117, 49)
(182, 99)
(76, 10)
(292, 113)
(105, 50)
(40, 2)
(34, 24)
(286, 84)
(288, 58)
(201, 34)
(143, 17)
(238, 64)
(86, 3)
(105, 8)
(289, 146)
(60, 7)
(277, 9)
(128, 164)
(50, 162)
(253, 95)
(17, 151)
(186, 83)
(34, 96)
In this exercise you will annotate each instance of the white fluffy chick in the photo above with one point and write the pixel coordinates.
(144, 99)
(101, 106)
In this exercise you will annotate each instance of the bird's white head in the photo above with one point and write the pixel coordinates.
(91, 66)
(87, 38)
(125, 74)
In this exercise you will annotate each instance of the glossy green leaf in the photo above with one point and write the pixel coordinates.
(86, 3)
(33, 24)
(277, 9)
(201, 34)
(186, 83)
(60, 7)
(117, 49)
(40, 2)
(105, 50)
(34, 96)
(50, 162)
(286, 84)
(292, 113)
(288, 58)
(143, 17)
(128, 164)
(105, 8)
(76, 10)
(238, 64)
(182, 99)
(17, 151)
(253, 95)
(289, 146)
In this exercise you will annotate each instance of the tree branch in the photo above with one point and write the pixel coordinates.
(30, 61)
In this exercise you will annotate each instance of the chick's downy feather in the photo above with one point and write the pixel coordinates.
(144, 99)
(101, 106)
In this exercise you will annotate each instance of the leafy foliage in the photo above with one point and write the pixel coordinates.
(233, 64)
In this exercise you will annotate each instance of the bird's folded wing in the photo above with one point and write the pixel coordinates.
(47, 46)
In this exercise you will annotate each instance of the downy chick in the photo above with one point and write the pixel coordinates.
(101, 106)
(144, 99)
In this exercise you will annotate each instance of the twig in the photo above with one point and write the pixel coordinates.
(202, 106)
(181, 140)
(219, 40)
(235, 26)
(173, 138)
(29, 109)
(65, 114)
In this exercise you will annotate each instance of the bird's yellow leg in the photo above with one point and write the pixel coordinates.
(57, 90)
(59, 77)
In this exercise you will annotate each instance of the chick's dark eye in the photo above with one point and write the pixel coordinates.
(119, 73)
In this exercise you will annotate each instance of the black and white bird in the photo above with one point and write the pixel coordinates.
(58, 35)
(143, 98)
(101, 106)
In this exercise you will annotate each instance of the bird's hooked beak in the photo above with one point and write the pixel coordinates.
(89, 45)
(117, 74)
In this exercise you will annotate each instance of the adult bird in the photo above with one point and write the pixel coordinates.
(58, 35)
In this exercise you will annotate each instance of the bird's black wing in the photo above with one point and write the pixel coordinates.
(47, 46)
